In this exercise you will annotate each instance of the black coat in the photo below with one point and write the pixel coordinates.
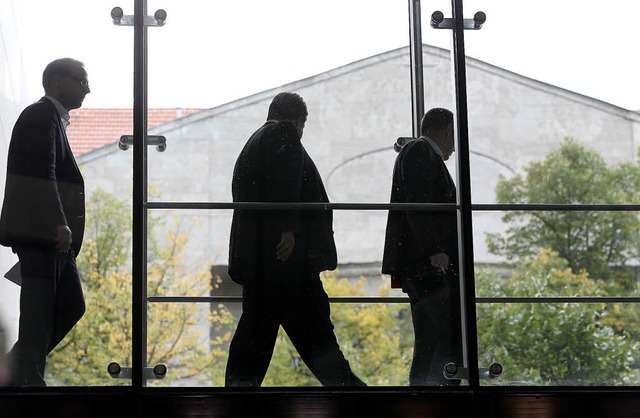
(420, 176)
(44, 186)
(274, 167)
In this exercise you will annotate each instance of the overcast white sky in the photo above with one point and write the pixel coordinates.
(213, 51)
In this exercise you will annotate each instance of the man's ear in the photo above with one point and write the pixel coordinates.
(450, 129)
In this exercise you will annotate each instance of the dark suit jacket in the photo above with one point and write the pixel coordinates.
(44, 186)
(274, 167)
(420, 176)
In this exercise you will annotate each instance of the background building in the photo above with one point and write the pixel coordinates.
(513, 120)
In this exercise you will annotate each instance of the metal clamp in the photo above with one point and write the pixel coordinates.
(158, 140)
(453, 372)
(157, 372)
(438, 21)
(120, 19)
(401, 142)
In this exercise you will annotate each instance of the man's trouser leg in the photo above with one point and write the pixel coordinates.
(252, 344)
(307, 322)
(47, 313)
(437, 327)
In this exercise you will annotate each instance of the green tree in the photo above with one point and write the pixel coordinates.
(550, 343)
(176, 336)
(597, 247)
(600, 242)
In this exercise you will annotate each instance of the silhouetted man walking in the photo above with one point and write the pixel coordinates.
(277, 255)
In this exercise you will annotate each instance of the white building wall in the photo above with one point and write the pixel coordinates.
(355, 114)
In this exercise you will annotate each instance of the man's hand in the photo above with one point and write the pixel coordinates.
(440, 261)
(284, 249)
(63, 238)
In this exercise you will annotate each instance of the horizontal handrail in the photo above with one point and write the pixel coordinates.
(391, 299)
(482, 207)
(301, 206)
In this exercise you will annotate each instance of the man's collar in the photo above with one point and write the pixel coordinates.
(64, 113)
(435, 146)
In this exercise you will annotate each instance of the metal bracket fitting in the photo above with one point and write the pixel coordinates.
(438, 21)
(158, 140)
(149, 373)
(120, 19)
(452, 371)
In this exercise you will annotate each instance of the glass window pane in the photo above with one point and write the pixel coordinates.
(188, 274)
(552, 122)
(352, 72)
(349, 133)
(84, 31)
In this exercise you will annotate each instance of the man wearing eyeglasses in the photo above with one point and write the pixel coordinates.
(42, 220)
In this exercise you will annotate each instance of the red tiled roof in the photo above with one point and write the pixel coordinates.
(93, 128)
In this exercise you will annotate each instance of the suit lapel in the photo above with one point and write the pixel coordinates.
(62, 136)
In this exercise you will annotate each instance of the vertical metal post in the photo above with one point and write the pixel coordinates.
(417, 83)
(139, 252)
(465, 231)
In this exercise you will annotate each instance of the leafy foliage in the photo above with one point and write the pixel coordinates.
(176, 335)
(594, 241)
(191, 339)
(553, 253)
(556, 343)
(565, 253)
